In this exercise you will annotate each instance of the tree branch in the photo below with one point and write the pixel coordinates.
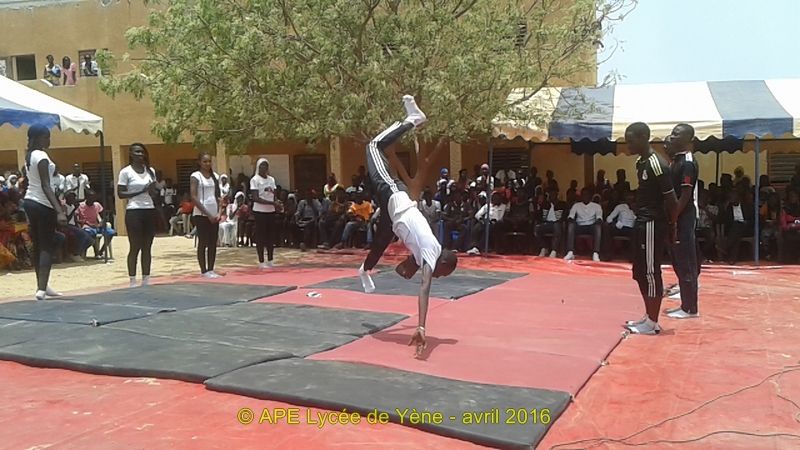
(467, 8)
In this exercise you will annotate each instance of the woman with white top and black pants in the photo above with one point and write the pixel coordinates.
(262, 190)
(137, 183)
(43, 209)
(205, 192)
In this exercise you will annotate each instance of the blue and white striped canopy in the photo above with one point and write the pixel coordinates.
(765, 108)
(21, 105)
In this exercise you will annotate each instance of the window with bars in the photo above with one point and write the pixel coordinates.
(183, 170)
(93, 171)
(522, 35)
(511, 159)
(780, 167)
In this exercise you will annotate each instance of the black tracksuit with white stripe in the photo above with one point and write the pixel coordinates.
(383, 186)
(651, 228)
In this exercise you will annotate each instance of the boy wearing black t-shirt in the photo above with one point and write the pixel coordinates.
(655, 223)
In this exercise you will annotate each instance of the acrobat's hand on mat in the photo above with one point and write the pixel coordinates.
(407, 268)
(418, 339)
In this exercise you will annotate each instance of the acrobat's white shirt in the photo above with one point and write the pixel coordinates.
(410, 226)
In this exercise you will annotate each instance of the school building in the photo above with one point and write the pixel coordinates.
(33, 29)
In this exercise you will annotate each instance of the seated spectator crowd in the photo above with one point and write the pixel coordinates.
(88, 224)
(524, 214)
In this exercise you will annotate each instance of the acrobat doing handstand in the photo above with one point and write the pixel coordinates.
(399, 216)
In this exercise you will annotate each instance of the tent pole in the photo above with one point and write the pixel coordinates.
(756, 235)
(717, 176)
(489, 197)
(103, 186)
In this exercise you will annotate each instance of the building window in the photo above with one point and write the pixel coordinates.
(20, 67)
(511, 159)
(26, 67)
(781, 167)
(87, 63)
(183, 170)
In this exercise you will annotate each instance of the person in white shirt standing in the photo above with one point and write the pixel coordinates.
(585, 218)
(57, 182)
(77, 182)
(43, 209)
(204, 187)
(262, 190)
(137, 184)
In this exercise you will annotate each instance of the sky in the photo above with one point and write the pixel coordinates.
(665, 41)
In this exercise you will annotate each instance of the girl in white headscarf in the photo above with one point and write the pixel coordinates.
(224, 186)
(262, 192)
(227, 228)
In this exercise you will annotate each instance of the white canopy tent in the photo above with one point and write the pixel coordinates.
(21, 105)
(719, 109)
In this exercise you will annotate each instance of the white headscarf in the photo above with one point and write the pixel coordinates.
(258, 164)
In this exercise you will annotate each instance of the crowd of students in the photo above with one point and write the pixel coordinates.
(257, 212)
(84, 226)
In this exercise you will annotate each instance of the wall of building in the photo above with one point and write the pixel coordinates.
(8, 161)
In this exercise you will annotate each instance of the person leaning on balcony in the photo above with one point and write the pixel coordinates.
(89, 67)
(70, 70)
(52, 72)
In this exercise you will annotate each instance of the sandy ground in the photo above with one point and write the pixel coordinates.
(171, 256)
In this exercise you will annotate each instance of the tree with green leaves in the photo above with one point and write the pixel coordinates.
(243, 70)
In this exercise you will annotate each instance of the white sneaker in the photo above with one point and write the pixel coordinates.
(262, 266)
(146, 280)
(208, 274)
(672, 310)
(414, 114)
(595, 257)
(40, 295)
(675, 296)
(647, 327)
(214, 274)
(570, 256)
(553, 254)
(132, 282)
(50, 292)
(366, 281)
(473, 251)
(681, 314)
(674, 289)
(543, 253)
(270, 264)
(636, 322)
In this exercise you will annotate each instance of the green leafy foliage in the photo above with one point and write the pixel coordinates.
(243, 70)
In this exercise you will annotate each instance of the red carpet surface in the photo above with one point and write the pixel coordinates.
(550, 329)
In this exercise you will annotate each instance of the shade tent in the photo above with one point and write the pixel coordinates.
(21, 105)
(724, 110)
(720, 109)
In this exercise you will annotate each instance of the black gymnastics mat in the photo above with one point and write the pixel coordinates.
(182, 296)
(362, 388)
(19, 331)
(230, 329)
(459, 284)
(65, 311)
(306, 317)
(104, 351)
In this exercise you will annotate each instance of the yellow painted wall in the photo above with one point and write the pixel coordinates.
(8, 161)
(566, 166)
